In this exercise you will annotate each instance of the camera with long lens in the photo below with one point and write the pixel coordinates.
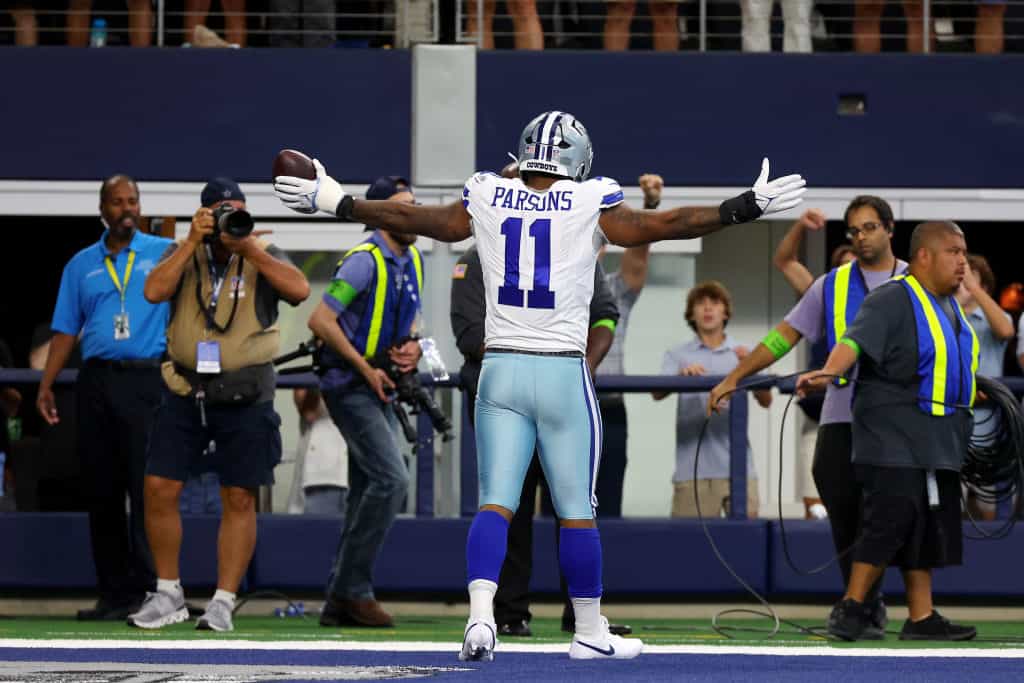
(409, 391)
(227, 219)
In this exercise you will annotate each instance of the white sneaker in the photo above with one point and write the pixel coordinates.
(217, 617)
(605, 646)
(478, 642)
(159, 610)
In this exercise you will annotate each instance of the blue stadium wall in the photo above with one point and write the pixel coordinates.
(50, 552)
(934, 121)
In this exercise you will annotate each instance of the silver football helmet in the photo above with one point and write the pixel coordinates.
(556, 143)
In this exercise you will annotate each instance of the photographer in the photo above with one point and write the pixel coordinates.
(224, 286)
(365, 319)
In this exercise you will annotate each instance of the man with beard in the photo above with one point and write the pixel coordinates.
(118, 389)
(366, 319)
(826, 309)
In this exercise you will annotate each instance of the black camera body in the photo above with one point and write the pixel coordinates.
(409, 391)
(227, 219)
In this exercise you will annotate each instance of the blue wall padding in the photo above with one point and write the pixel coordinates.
(194, 114)
(707, 119)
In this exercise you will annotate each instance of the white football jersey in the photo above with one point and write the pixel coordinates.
(537, 252)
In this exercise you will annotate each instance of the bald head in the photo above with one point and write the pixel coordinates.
(931, 235)
(112, 182)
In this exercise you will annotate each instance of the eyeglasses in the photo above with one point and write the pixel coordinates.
(866, 229)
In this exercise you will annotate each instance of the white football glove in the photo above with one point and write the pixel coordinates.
(309, 196)
(779, 194)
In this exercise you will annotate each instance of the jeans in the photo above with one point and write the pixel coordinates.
(325, 500)
(378, 485)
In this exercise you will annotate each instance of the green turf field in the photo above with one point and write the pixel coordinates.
(449, 629)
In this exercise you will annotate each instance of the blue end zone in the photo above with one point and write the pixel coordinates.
(558, 667)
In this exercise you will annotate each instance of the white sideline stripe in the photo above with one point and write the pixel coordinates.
(548, 648)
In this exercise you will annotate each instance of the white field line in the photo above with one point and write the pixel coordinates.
(384, 646)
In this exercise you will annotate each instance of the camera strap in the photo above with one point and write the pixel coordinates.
(216, 284)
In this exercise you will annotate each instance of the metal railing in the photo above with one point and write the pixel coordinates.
(424, 494)
(700, 25)
(748, 25)
(370, 23)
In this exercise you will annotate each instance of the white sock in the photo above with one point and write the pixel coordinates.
(481, 600)
(588, 617)
(169, 586)
(224, 596)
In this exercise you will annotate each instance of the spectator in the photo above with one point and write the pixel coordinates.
(711, 352)
(234, 18)
(525, 23)
(140, 22)
(626, 283)
(320, 484)
(219, 387)
(117, 390)
(301, 23)
(994, 328)
(26, 25)
(664, 24)
(787, 254)
(988, 27)
(867, 22)
(366, 324)
(757, 21)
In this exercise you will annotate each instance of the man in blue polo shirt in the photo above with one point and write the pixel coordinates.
(365, 319)
(118, 389)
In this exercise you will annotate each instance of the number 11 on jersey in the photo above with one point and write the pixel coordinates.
(541, 296)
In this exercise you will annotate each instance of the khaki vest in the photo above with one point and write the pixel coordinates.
(246, 342)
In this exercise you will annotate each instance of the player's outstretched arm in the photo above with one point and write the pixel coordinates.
(446, 223)
(628, 227)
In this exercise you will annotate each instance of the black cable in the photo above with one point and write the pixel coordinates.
(268, 594)
(994, 462)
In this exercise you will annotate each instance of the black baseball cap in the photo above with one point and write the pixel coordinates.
(387, 186)
(220, 189)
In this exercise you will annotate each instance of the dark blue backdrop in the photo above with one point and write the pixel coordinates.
(932, 121)
(190, 114)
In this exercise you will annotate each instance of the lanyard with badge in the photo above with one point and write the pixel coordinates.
(122, 330)
(208, 352)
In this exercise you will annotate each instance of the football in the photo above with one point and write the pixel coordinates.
(294, 163)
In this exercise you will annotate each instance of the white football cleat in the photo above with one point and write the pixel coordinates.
(605, 646)
(478, 642)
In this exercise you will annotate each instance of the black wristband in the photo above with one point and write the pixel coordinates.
(740, 209)
(344, 210)
(652, 205)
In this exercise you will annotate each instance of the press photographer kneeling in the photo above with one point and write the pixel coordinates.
(224, 285)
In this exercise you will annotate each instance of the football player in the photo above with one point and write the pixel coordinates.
(538, 236)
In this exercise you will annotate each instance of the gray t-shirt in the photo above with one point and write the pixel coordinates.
(808, 318)
(889, 429)
(714, 449)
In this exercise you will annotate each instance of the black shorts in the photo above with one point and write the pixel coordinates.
(899, 527)
(247, 442)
